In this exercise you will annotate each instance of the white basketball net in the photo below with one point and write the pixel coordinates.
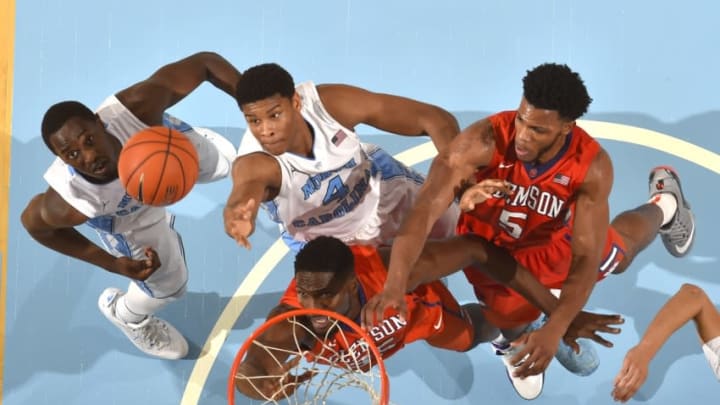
(334, 371)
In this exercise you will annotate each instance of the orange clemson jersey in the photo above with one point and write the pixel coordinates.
(540, 206)
(433, 315)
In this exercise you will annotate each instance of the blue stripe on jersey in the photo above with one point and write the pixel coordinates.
(143, 286)
(272, 210)
(115, 243)
(103, 223)
(391, 168)
(175, 123)
(293, 244)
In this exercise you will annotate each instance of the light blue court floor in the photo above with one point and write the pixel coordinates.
(466, 56)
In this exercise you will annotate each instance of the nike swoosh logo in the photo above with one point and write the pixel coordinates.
(504, 165)
(438, 324)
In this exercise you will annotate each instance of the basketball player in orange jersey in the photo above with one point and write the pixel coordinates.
(84, 189)
(550, 212)
(333, 276)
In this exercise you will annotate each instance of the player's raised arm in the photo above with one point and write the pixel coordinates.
(256, 178)
(450, 171)
(149, 98)
(264, 374)
(351, 106)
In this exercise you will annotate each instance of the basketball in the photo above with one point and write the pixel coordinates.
(158, 166)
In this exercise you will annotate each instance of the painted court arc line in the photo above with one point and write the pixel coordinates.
(411, 157)
(7, 39)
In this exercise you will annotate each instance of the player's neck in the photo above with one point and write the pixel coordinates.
(304, 140)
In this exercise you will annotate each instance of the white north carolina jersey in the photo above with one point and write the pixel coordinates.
(351, 190)
(108, 206)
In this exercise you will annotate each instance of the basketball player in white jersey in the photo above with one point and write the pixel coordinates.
(302, 159)
(84, 188)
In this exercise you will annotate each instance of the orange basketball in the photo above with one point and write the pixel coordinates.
(158, 166)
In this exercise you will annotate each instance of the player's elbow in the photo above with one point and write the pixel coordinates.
(31, 217)
(695, 294)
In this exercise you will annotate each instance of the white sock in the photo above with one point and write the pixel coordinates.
(667, 203)
(500, 341)
(136, 305)
(125, 314)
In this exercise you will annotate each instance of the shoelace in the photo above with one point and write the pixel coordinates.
(679, 232)
(154, 332)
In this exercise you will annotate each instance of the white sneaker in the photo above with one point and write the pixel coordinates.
(528, 388)
(153, 335)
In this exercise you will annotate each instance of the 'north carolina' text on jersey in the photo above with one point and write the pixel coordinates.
(351, 190)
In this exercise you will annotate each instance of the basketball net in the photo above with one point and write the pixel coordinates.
(319, 374)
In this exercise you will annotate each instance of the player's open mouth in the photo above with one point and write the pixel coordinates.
(99, 167)
(320, 322)
(520, 152)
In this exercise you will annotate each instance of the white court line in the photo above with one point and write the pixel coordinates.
(410, 157)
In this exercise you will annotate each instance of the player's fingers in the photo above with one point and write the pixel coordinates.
(290, 364)
(305, 376)
(599, 339)
(402, 310)
(523, 370)
(249, 205)
(521, 354)
(573, 344)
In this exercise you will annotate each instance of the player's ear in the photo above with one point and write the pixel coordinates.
(354, 284)
(568, 126)
(296, 101)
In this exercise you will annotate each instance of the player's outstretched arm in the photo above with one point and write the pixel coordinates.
(264, 374)
(440, 258)
(351, 106)
(171, 83)
(51, 221)
(450, 171)
(589, 232)
(256, 178)
(689, 303)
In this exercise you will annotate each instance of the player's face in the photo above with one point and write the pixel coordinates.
(84, 145)
(539, 133)
(274, 122)
(326, 291)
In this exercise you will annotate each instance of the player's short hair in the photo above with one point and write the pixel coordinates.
(325, 254)
(264, 81)
(551, 86)
(58, 114)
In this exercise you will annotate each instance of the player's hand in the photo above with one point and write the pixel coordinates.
(137, 269)
(632, 375)
(239, 223)
(588, 325)
(536, 351)
(480, 192)
(280, 382)
(374, 310)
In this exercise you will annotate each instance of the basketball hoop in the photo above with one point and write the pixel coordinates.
(323, 358)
